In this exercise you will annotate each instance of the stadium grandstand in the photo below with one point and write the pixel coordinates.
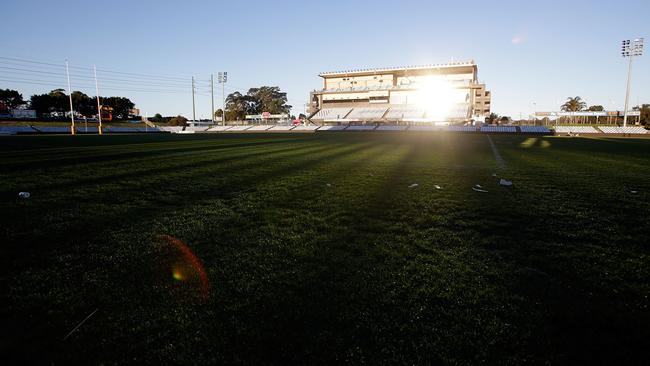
(432, 94)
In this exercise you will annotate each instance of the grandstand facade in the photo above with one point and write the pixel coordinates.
(432, 94)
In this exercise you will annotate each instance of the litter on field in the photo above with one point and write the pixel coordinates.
(327, 184)
(437, 187)
(505, 183)
(24, 194)
(479, 188)
(494, 175)
(634, 192)
(413, 185)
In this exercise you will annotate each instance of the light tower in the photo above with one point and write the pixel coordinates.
(630, 49)
(222, 78)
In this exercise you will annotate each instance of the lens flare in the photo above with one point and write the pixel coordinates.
(186, 268)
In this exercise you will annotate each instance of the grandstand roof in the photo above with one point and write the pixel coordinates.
(400, 68)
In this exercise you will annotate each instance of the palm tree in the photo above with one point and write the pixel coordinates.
(574, 104)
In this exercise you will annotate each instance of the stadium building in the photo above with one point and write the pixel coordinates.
(438, 94)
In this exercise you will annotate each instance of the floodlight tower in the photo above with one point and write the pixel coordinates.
(630, 49)
(222, 78)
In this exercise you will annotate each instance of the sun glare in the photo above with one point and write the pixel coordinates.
(437, 97)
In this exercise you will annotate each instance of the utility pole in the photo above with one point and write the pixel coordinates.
(67, 71)
(212, 95)
(193, 106)
(630, 49)
(99, 108)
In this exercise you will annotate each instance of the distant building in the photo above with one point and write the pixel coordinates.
(446, 93)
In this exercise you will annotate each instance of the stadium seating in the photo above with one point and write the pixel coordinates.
(366, 114)
(282, 128)
(197, 128)
(457, 111)
(260, 128)
(306, 128)
(218, 128)
(499, 129)
(623, 130)
(173, 129)
(53, 129)
(534, 129)
(14, 130)
(424, 128)
(402, 113)
(83, 129)
(120, 129)
(239, 128)
(575, 129)
(333, 128)
(461, 128)
(331, 113)
(361, 128)
(391, 128)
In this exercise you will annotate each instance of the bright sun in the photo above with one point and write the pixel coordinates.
(437, 97)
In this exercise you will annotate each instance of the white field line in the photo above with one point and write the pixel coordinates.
(497, 156)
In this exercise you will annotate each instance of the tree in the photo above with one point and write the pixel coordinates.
(256, 101)
(84, 104)
(218, 113)
(596, 108)
(237, 106)
(505, 119)
(56, 101)
(574, 104)
(178, 121)
(121, 106)
(11, 98)
(156, 118)
(493, 118)
(268, 99)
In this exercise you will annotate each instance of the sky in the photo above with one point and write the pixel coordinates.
(531, 54)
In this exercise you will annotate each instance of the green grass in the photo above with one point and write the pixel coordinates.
(317, 252)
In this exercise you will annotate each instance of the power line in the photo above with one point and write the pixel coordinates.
(155, 76)
(52, 84)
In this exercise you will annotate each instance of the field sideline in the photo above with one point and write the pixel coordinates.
(316, 250)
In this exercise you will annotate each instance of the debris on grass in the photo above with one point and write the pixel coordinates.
(634, 192)
(494, 175)
(413, 185)
(479, 188)
(505, 183)
(327, 184)
(24, 195)
(80, 324)
(437, 186)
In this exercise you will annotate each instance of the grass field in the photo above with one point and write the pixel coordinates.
(314, 249)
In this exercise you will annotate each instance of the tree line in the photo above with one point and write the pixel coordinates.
(256, 101)
(577, 104)
(57, 102)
